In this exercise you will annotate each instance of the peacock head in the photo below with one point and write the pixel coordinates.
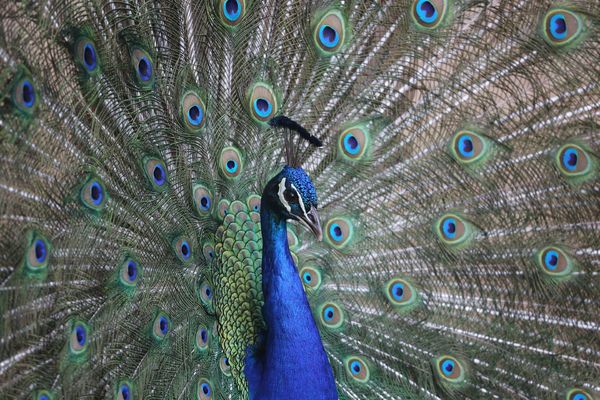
(292, 195)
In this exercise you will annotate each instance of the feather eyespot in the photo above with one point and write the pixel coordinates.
(93, 194)
(162, 325)
(79, 338)
(429, 14)
(311, 277)
(223, 207)
(469, 147)
(38, 254)
(142, 64)
(452, 229)
(578, 394)
(353, 143)
(231, 162)
(574, 161)
(555, 262)
(24, 96)
(339, 232)
(204, 390)
(450, 369)
(225, 367)
(43, 395)
(87, 56)
(253, 202)
(193, 111)
(206, 293)
(129, 272)
(331, 315)
(358, 369)
(124, 392)
(400, 293)
(330, 32)
(183, 249)
(202, 338)
(562, 26)
(232, 11)
(209, 252)
(263, 103)
(156, 173)
(203, 200)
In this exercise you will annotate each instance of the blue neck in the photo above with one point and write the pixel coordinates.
(293, 360)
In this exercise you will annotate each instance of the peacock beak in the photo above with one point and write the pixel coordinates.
(310, 220)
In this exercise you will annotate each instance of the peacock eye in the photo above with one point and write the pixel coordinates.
(225, 368)
(311, 277)
(156, 173)
(290, 196)
(578, 394)
(253, 202)
(353, 143)
(25, 95)
(453, 229)
(43, 395)
(339, 232)
(562, 26)
(231, 162)
(202, 338)
(331, 315)
(204, 390)
(574, 161)
(129, 272)
(357, 369)
(93, 195)
(469, 147)
(161, 326)
(400, 293)
(38, 254)
(183, 249)
(124, 392)
(329, 33)
(232, 11)
(143, 67)
(555, 261)
(79, 338)
(206, 293)
(193, 111)
(86, 55)
(429, 14)
(263, 104)
(203, 200)
(450, 369)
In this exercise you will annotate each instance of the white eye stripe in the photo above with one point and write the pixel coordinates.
(281, 198)
(301, 202)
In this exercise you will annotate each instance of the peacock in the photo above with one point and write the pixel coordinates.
(300, 199)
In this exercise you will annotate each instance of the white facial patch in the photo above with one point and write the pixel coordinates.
(300, 201)
(281, 198)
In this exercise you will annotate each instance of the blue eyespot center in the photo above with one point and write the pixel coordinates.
(307, 277)
(262, 107)
(80, 335)
(448, 367)
(328, 36)
(450, 228)
(211, 254)
(40, 251)
(465, 146)
(231, 166)
(355, 367)
(28, 94)
(232, 9)
(580, 396)
(89, 57)
(570, 158)
(203, 335)
(44, 397)
(96, 193)
(163, 325)
(185, 250)
(336, 232)
(256, 208)
(205, 203)
(144, 69)
(398, 291)
(351, 144)
(131, 270)
(205, 389)
(558, 26)
(159, 175)
(125, 392)
(208, 292)
(226, 361)
(195, 115)
(426, 11)
(329, 313)
(551, 259)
